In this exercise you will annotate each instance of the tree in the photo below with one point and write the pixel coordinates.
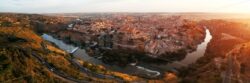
(6, 24)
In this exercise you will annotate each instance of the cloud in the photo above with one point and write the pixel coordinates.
(50, 6)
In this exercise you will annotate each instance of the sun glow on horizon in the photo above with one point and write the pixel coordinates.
(70, 6)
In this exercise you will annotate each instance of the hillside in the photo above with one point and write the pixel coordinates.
(121, 41)
(239, 64)
(227, 37)
(17, 62)
(26, 57)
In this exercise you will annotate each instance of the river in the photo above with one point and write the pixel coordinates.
(194, 56)
(81, 54)
(189, 58)
(135, 69)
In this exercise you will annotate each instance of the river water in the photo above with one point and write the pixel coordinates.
(134, 69)
(193, 56)
(189, 58)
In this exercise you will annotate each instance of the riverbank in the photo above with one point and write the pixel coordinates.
(81, 53)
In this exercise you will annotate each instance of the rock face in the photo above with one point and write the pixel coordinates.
(225, 60)
(237, 64)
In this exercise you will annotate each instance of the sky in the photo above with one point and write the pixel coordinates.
(82, 6)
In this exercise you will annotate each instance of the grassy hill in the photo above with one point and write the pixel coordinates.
(18, 45)
(26, 57)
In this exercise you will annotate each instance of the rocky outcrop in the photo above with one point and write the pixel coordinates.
(225, 57)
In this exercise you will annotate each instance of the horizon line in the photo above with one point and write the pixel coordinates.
(130, 12)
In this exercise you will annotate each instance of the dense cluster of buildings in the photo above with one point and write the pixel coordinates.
(154, 34)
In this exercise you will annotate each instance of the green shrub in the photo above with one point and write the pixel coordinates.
(6, 24)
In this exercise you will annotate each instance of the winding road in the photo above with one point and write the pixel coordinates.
(76, 64)
(57, 72)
